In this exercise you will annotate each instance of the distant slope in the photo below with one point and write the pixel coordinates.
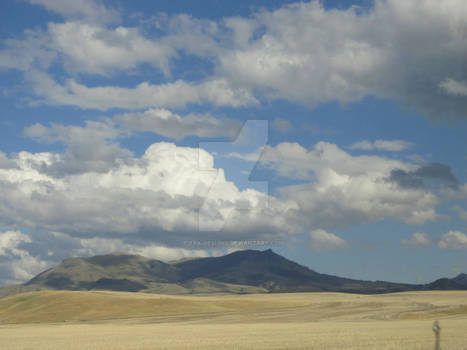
(17, 289)
(456, 283)
(461, 279)
(60, 306)
(249, 267)
(122, 272)
(248, 271)
(275, 273)
(139, 308)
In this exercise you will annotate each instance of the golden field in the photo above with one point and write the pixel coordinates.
(112, 320)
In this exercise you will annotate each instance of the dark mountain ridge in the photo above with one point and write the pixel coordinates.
(247, 271)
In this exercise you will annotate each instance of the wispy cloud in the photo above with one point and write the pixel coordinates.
(381, 145)
(454, 87)
(322, 241)
(417, 240)
(169, 124)
(144, 95)
(90, 10)
(461, 212)
(281, 125)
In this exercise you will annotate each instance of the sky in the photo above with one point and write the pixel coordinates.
(333, 132)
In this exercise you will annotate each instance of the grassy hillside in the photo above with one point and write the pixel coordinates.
(59, 306)
(295, 321)
(117, 271)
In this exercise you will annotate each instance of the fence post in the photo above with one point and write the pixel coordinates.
(437, 330)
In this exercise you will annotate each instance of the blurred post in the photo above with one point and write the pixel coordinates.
(437, 330)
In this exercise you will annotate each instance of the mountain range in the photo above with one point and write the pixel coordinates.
(247, 271)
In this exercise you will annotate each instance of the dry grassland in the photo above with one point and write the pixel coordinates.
(107, 320)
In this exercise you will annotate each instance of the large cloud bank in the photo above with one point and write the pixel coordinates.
(410, 51)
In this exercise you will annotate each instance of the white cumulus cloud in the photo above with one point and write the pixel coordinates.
(410, 51)
(16, 263)
(417, 240)
(322, 241)
(453, 240)
(312, 55)
(5, 162)
(343, 190)
(94, 49)
(160, 192)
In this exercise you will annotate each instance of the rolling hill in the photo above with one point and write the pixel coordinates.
(241, 272)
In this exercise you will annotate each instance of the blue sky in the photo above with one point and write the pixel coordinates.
(333, 131)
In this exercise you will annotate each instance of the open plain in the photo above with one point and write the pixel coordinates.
(113, 320)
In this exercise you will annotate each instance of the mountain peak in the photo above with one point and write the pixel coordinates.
(242, 271)
(461, 279)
